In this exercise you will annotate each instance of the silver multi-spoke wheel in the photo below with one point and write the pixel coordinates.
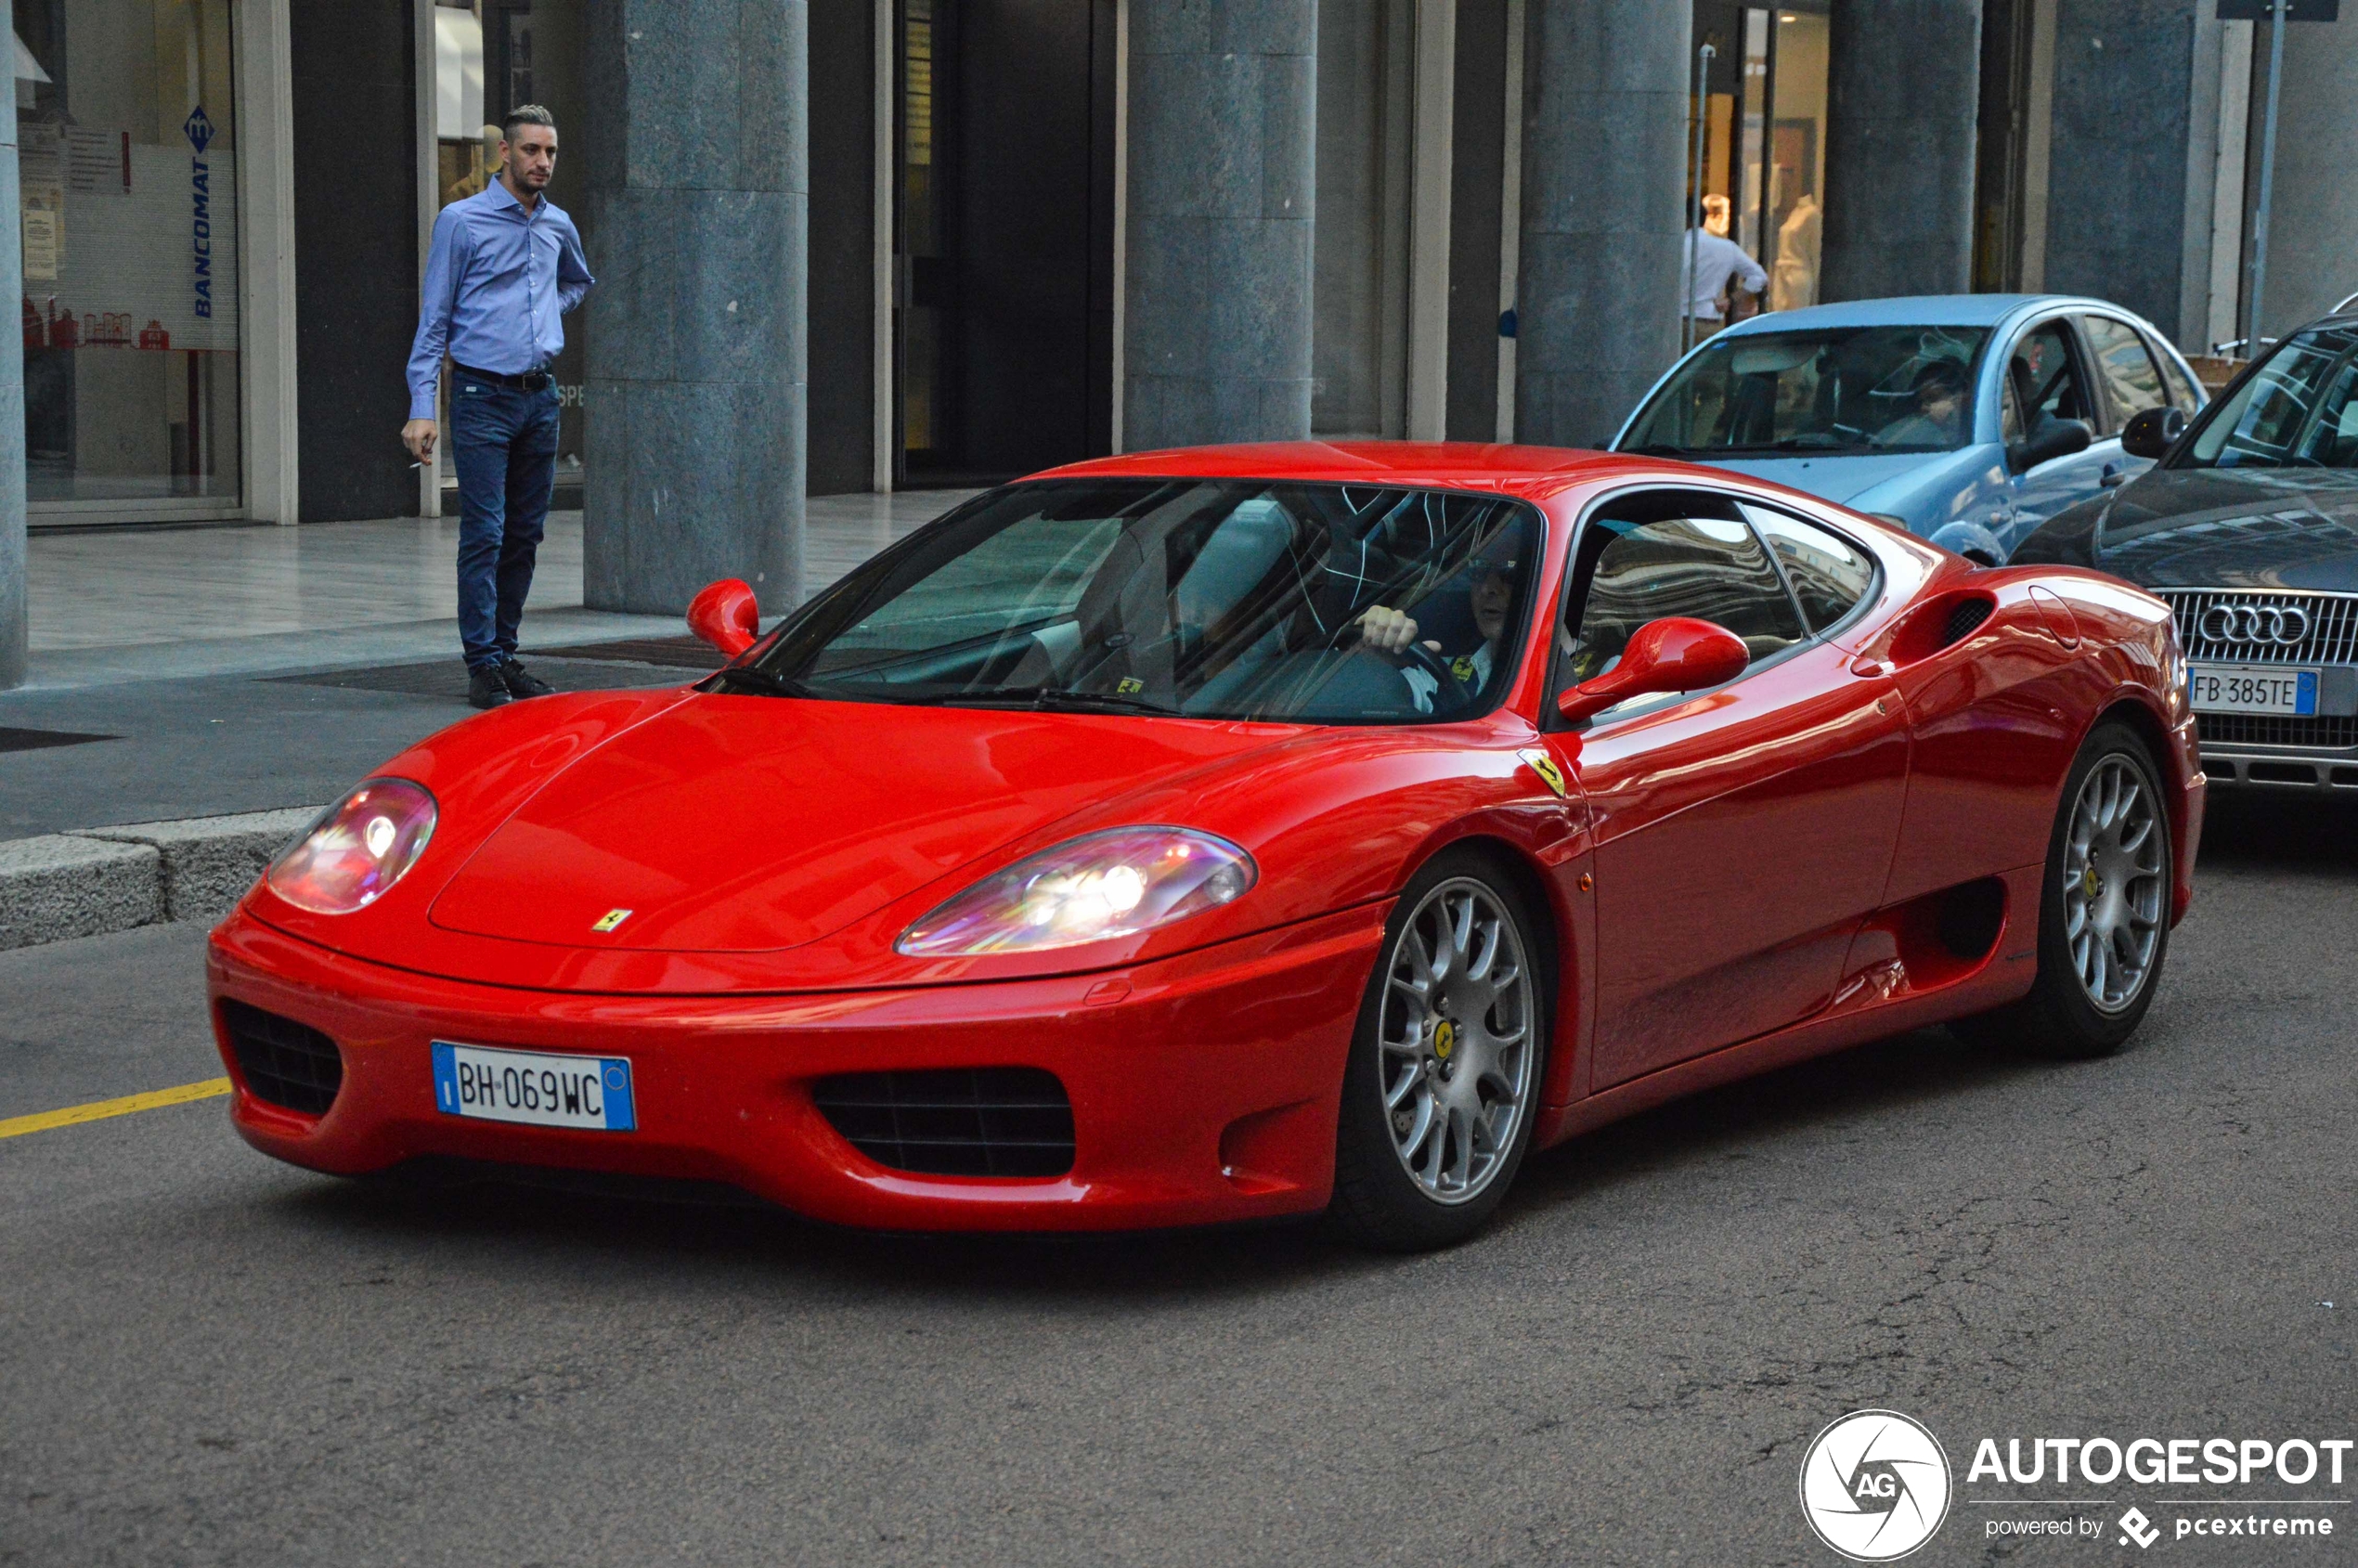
(1458, 1040)
(2115, 884)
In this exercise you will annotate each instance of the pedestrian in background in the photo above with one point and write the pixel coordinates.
(505, 267)
(1722, 282)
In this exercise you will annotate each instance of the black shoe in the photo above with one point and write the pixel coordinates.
(485, 689)
(522, 682)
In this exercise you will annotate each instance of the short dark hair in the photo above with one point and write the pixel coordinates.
(524, 114)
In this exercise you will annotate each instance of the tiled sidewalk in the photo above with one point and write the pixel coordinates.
(150, 603)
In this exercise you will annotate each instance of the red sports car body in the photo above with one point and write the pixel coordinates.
(728, 917)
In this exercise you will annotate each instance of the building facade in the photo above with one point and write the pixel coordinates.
(865, 244)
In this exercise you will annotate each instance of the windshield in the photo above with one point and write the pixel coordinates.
(1839, 389)
(1207, 599)
(2296, 411)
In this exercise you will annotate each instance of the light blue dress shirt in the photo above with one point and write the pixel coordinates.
(498, 281)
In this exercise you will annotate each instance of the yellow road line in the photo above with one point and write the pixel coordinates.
(97, 1110)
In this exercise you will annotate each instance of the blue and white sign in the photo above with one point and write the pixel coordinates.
(200, 129)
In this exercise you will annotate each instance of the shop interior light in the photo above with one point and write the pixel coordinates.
(1113, 883)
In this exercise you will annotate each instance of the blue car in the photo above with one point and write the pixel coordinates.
(1967, 419)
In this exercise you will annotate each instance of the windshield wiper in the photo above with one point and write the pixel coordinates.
(762, 681)
(1662, 449)
(1051, 699)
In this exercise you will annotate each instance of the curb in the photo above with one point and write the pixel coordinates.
(95, 880)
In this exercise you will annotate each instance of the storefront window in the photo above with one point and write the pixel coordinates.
(1798, 155)
(127, 158)
(1764, 137)
(491, 55)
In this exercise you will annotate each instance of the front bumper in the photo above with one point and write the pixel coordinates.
(1204, 1087)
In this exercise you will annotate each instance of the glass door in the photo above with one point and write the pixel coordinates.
(127, 128)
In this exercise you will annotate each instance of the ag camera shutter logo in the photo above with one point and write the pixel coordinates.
(1875, 1485)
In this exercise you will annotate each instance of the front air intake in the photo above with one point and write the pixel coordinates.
(956, 1122)
(286, 1063)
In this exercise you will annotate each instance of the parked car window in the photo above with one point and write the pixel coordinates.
(2045, 376)
(2132, 383)
(1235, 599)
(1829, 573)
(1659, 553)
(2182, 390)
(2294, 411)
(1838, 389)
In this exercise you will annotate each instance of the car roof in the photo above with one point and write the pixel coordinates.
(1917, 310)
(1529, 472)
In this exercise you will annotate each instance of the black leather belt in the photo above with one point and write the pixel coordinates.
(531, 381)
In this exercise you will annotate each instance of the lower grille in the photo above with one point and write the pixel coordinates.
(284, 1062)
(2248, 729)
(959, 1121)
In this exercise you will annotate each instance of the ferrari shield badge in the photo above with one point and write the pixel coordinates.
(1545, 766)
(609, 920)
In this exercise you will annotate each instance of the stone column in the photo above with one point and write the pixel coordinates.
(1903, 88)
(695, 398)
(1222, 159)
(12, 562)
(1604, 137)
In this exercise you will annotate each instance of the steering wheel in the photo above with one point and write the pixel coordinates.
(1451, 696)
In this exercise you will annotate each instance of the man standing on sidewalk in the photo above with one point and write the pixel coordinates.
(505, 267)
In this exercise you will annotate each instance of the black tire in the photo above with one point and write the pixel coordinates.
(1377, 1202)
(2061, 1018)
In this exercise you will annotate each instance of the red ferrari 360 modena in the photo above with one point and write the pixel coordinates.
(1207, 836)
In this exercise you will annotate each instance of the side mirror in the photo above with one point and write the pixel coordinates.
(1674, 655)
(2056, 438)
(726, 616)
(2152, 431)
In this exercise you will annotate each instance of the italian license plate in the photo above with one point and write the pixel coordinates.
(534, 1087)
(2230, 687)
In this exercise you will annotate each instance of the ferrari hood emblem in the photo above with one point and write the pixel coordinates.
(1545, 766)
(609, 920)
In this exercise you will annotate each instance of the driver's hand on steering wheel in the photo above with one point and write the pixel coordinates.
(1389, 632)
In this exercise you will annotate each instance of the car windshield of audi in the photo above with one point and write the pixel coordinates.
(2248, 527)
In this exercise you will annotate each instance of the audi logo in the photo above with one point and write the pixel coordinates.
(2283, 626)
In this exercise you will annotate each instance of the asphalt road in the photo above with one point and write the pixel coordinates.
(208, 1358)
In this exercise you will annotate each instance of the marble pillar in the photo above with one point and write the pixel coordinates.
(1222, 162)
(696, 396)
(1604, 157)
(1903, 89)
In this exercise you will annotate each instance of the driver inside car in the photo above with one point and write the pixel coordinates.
(1940, 394)
(1482, 611)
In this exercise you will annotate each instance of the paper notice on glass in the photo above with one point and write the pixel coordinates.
(98, 162)
(42, 204)
(44, 239)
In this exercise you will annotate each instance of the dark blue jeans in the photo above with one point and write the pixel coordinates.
(505, 444)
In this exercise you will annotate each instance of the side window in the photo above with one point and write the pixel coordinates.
(2183, 391)
(2131, 385)
(1829, 573)
(1661, 554)
(2046, 377)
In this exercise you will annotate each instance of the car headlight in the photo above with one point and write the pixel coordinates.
(358, 850)
(1112, 883)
